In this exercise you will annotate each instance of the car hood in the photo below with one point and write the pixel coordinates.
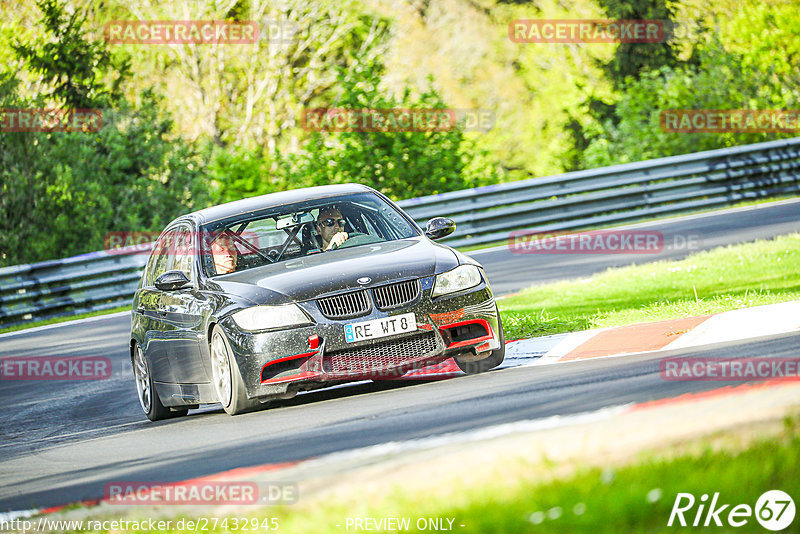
(335, 271)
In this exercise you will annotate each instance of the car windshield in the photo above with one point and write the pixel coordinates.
(289, 231)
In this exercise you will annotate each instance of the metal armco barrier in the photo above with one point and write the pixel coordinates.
(576, 200)
(85, 283)
(619, 193)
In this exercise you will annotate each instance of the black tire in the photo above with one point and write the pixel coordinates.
(494, 359)
(146, 391)
(227, 379)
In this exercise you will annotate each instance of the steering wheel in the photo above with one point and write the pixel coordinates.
(357, 238)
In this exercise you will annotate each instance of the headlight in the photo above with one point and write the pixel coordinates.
(264, 317)
(460, 278)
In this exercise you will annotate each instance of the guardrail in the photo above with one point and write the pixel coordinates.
(576, 200)
(615, 194)
(89, 282)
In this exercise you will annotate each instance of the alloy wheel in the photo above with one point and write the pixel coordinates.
(221, 369)
(142, 380)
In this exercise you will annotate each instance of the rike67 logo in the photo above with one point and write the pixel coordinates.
(774, 510)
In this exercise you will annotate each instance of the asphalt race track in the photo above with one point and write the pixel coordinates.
(62, 441)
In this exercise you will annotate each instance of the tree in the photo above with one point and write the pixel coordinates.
(62, 192)
(630, 62)
(400, 164)
(724, 80)
(74, 67)
(245, 95)
(634, 59)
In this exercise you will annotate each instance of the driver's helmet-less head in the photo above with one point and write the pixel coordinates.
(329, 216)
(330, 221)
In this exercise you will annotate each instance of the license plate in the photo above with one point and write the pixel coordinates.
(376, 328)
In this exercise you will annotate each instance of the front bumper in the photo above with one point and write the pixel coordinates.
(274, 363)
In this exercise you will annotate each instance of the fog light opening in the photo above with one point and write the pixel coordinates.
(466, 333)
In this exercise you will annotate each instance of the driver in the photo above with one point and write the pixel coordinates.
(224, 253)
(330, 226)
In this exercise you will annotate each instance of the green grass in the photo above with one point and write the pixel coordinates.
(56, 320)
(723, 279)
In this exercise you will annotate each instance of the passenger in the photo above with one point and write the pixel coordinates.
(330, 226)
(224, 253)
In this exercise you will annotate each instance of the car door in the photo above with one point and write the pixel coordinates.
(156, 345)
(182, 312)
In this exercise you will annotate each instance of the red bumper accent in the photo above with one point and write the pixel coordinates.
(292, 378)
(285, 359)
(467, 342)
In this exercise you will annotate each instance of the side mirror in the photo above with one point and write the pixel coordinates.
(172, 280)
(439, 227)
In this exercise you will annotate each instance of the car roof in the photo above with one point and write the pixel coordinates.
(238, 207)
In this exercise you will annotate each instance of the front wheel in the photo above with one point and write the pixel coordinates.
(148, 397)
(227, 378)
(495, 358)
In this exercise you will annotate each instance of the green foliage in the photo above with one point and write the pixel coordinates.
(756, 69)
(399, 164)
(242, 96)
(630, 62)
(73, 66)
(236, 107)
(236, 173)
(633, 59)
(62, 192)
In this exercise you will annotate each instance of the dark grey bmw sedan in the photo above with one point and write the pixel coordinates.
(261, 298)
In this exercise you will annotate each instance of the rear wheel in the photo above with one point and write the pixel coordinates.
(495, 358)
(148, 397)
(227, 378)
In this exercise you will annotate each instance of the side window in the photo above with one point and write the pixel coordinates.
(148, 270)
(160, 259)
(183, 251)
